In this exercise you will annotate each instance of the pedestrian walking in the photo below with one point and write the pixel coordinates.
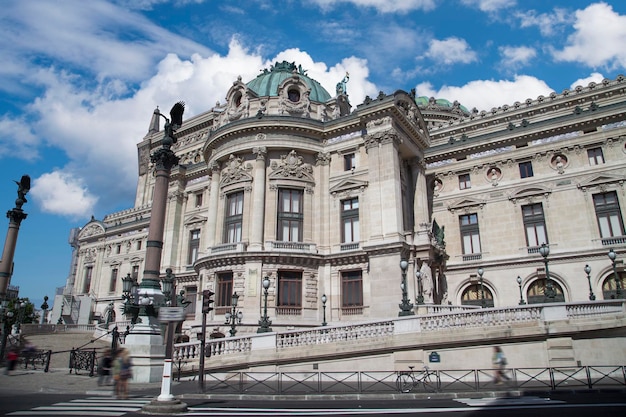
(122, 372)
(499, 361)
(104, 368)
(12, 357)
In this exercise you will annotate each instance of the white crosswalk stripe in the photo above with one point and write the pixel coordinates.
(504, 401)
(91, 406)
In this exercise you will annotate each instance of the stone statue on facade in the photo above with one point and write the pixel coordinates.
(109, 314)
(341, 85)
(427, 283)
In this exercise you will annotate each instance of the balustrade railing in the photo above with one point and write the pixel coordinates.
(444, 319)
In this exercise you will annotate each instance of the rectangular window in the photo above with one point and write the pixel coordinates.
(139, 245)
(290, 289)
(290, 216)
(224, 290)
(118, 249)
(87, 280)
(194, 246)
(526, 169)
(596, 157)
(113, 282)
(135, 273)
(350, 220)
(608, 214)
(535, 225)
(191, 295)
(464, 182)
(470, 234)
(234, 217)
(349, 162)
(351, 289)
(199, 200)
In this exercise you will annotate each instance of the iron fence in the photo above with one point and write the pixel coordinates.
(380, 382)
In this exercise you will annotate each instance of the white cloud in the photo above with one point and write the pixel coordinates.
(18, 139)
(450, 51)
(487, 94)
(595, 77)
(547, 23)
(489, 5)
(598, 40)
(62, 193)
(383, 6)
(516, 56)
(99, 131)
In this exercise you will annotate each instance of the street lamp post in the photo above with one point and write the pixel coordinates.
(420, 290)
(20, 315)
(618, 284)
(265, 321)
(44, 310)
(588, 272)
(483, 302)
(519, 284)
(324, 310)
(406, 308)
(549, 292)
(168, 286)
(234, 318)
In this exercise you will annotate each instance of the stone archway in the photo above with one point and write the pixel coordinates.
(472, 295)
(609, 286)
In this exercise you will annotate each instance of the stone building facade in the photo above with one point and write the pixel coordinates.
(285, 181)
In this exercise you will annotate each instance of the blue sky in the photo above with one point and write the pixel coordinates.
(79, 80)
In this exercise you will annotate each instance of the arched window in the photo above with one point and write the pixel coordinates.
(609, 286)
(472, 295)
(536, 293)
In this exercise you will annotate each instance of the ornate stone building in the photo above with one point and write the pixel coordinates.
(285, 181)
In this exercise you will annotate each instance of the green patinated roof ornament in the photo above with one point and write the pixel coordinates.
(267, 82)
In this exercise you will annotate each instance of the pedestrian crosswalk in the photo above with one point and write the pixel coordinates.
(90, 406)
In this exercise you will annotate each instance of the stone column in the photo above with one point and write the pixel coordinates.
(420, 204)
(257, 220)
(214, 194)
(15, 216)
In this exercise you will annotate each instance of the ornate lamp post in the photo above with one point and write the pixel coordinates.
(483, 303)
(406, 308)
(324, 310)
(265, 321)
(420, 290)
(129, 294)
(549, 292)
(588, 272)
(618, 284)
(234, 318)
(519, 284)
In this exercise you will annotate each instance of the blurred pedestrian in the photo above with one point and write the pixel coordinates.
(12, 357)
(123, 372)
(104, 368)
(499, 361)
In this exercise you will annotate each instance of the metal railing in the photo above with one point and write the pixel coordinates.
(381, 382)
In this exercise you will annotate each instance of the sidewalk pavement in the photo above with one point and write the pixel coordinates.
(60, 381)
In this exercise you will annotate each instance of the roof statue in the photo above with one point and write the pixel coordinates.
(23, 186)
(341, 85)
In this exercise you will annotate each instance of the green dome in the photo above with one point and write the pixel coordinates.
(266, 83)
(442, 103)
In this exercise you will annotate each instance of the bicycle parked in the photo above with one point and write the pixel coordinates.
(408, 380)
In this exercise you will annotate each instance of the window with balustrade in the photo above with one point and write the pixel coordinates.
(350, 220)
(113, 279)
(233, 221)
(352, 292)
(223, 292)
(608, 214)
(470, 236)
(290, 215)
(87, 279)
(535, 226)
(194, 246)
(289, 292)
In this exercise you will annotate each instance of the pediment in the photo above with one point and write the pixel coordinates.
(348, 184)
(601, 181)
(93, 228)
(466, 204)
(195, 219)
(530, 192)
